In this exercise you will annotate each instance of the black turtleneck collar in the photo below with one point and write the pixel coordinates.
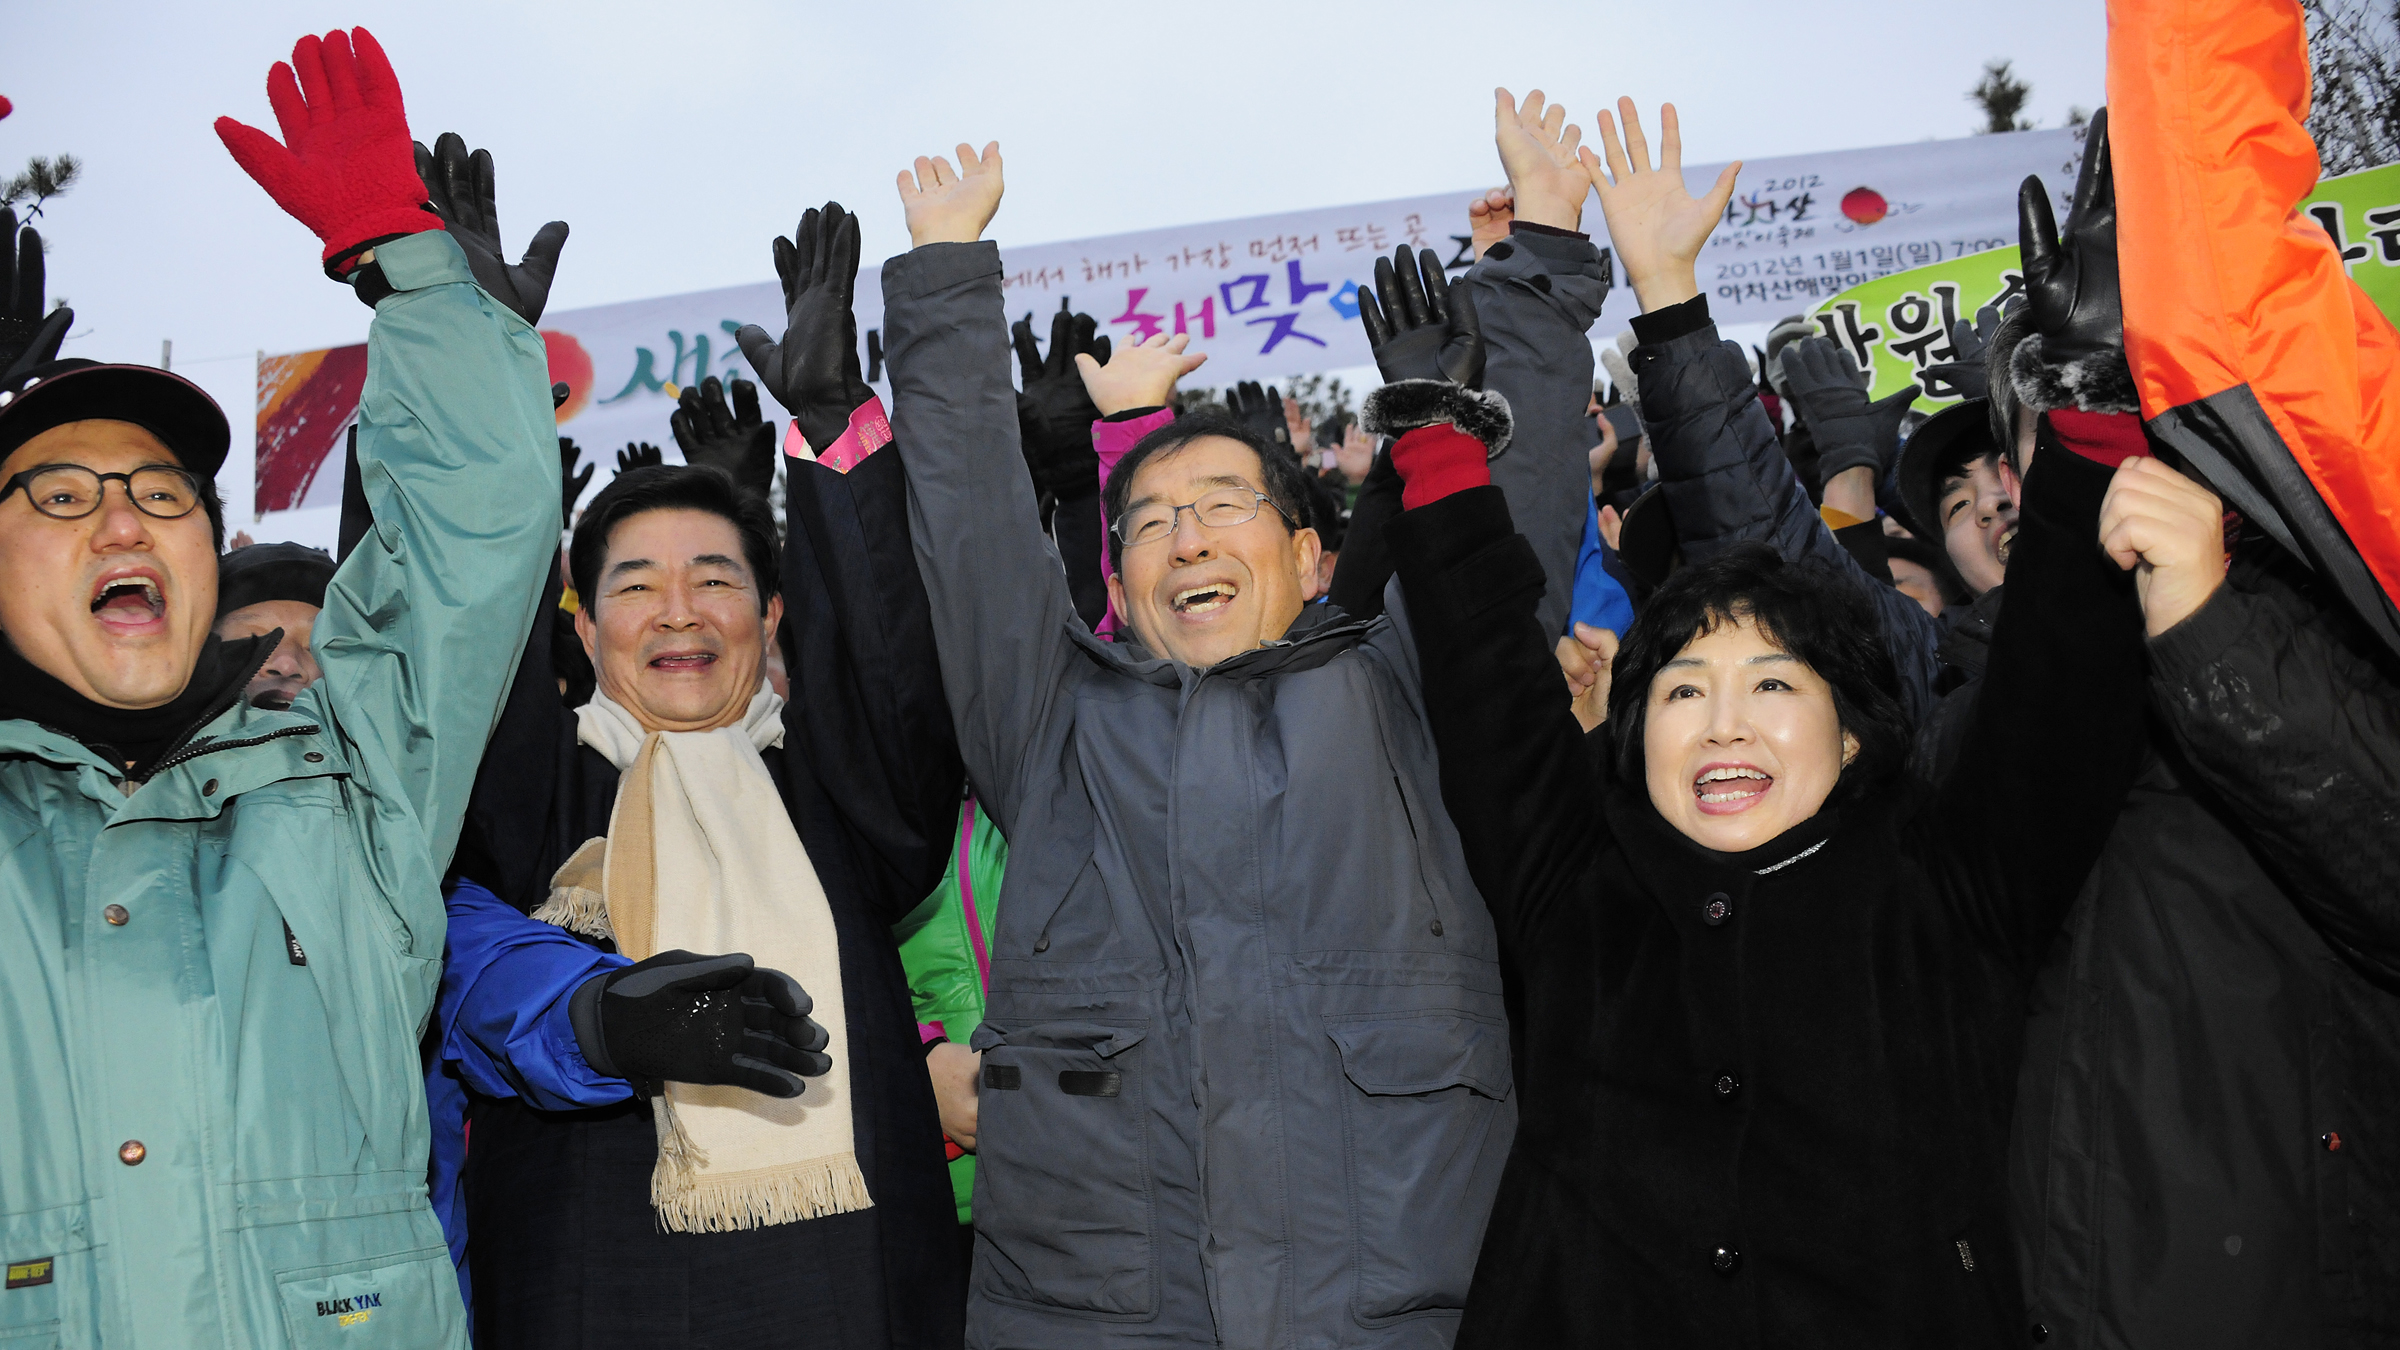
(134, 739)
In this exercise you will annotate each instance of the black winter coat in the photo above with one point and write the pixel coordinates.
(2207, 1145)
(565, 1249)
(1765, 1096)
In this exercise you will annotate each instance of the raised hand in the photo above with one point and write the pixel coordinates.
(1655, 225)
(1586, 657)
(1423, 329)
(1260, 409)
(28, 336)
(2071, 284)
(1141, 376)
(344, 167)
(1538, 149)
(1056, 411)
(1356, 454)
(1488, 218)
(1295, 425)
(1967, 374)
(946, 205)
(1831, 393)
(813, 372)
(459, 184)
(639, 455)
(736, 439)
(571, 483)
(2170, 533)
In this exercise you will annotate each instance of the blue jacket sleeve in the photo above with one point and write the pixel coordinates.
(506, 982)
(1600, 599)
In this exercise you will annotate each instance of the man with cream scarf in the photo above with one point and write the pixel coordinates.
(671, 1152)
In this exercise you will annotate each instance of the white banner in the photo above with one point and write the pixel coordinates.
(1267, 298)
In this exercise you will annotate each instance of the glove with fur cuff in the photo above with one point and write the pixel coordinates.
(1404, 405)
(1435, 461)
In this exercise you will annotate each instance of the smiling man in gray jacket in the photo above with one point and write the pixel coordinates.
(1246, 1077)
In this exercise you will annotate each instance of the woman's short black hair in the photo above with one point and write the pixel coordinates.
(675, 487)
(1279, 471)
(1801, 607)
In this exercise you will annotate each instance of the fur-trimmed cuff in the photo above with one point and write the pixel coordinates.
(2098, 382)
(1405, 405)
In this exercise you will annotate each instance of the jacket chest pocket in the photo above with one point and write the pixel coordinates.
(1431, 1086)
(406, 1299)
(1063, 1204)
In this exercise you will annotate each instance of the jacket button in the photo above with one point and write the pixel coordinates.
(2041, 1332)
(1727, 1085)
(116, 914)
(131, 1153)
(313, 757)
(1437, 927)
(1042, 943)
(1726, 1261)
(209, 788)
(2332, 1140)
(1718, 909)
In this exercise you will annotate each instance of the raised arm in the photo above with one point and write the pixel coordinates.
(1538, 292)
(998, 595)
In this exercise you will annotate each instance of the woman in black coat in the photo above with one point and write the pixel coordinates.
(1772, 990)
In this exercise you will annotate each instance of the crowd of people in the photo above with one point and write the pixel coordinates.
(1700, 857)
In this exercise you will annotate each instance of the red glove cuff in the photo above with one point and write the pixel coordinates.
(2103, 438)
(1435, 461)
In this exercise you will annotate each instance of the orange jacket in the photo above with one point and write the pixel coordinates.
(2254, 353)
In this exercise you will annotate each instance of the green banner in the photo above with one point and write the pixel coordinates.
(1896, 326)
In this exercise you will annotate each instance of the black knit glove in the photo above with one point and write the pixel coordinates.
(1055, 413)
(1830, 392)
(683, 1018)
(571, 483)
(1260, 409)
(736, 439)
(459, 184)
(28, 336)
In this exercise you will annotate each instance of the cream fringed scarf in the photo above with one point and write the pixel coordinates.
(701, 856)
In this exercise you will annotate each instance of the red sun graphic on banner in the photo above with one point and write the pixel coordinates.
(1864, 205)
(570, 365)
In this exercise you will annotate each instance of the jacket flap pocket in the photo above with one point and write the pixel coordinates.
(1098, 1038)
(1404, 1053)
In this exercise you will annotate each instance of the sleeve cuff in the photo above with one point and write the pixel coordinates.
(1134, 414)
(2103, 438)
(2195, 644)
(426, 258)
(1666, 325)
(1529, 227)
(937, 267)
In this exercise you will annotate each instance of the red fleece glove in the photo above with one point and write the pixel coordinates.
(345, 167)
(1435, 461)
(2103, 438)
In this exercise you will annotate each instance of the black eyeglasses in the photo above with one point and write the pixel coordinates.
(1219, 510)
(71, 491)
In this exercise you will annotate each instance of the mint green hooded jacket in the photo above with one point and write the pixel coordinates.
(277, 1195)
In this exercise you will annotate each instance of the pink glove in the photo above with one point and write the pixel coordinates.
(345, 167)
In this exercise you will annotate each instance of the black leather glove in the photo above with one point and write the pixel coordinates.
(736, 439)
(571, 483)
(28, 336)
(2075, 355)
(1055, 413)
(459, 185)
(683, 1018)
(1967, 374)
(1260, 409)
(1830, 392)
(1423, 330)
(813, 371)
(639, 455)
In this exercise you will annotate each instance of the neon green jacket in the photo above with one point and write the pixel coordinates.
(944, 949)
(277, 1197)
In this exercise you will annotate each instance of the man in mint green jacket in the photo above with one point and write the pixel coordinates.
(221, 926)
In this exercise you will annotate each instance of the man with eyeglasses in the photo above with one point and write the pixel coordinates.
(221, 923)
(1245, 1073)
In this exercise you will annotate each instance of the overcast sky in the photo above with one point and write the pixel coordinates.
(677, 138)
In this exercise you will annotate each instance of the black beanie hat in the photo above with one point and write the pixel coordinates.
(261, 572)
